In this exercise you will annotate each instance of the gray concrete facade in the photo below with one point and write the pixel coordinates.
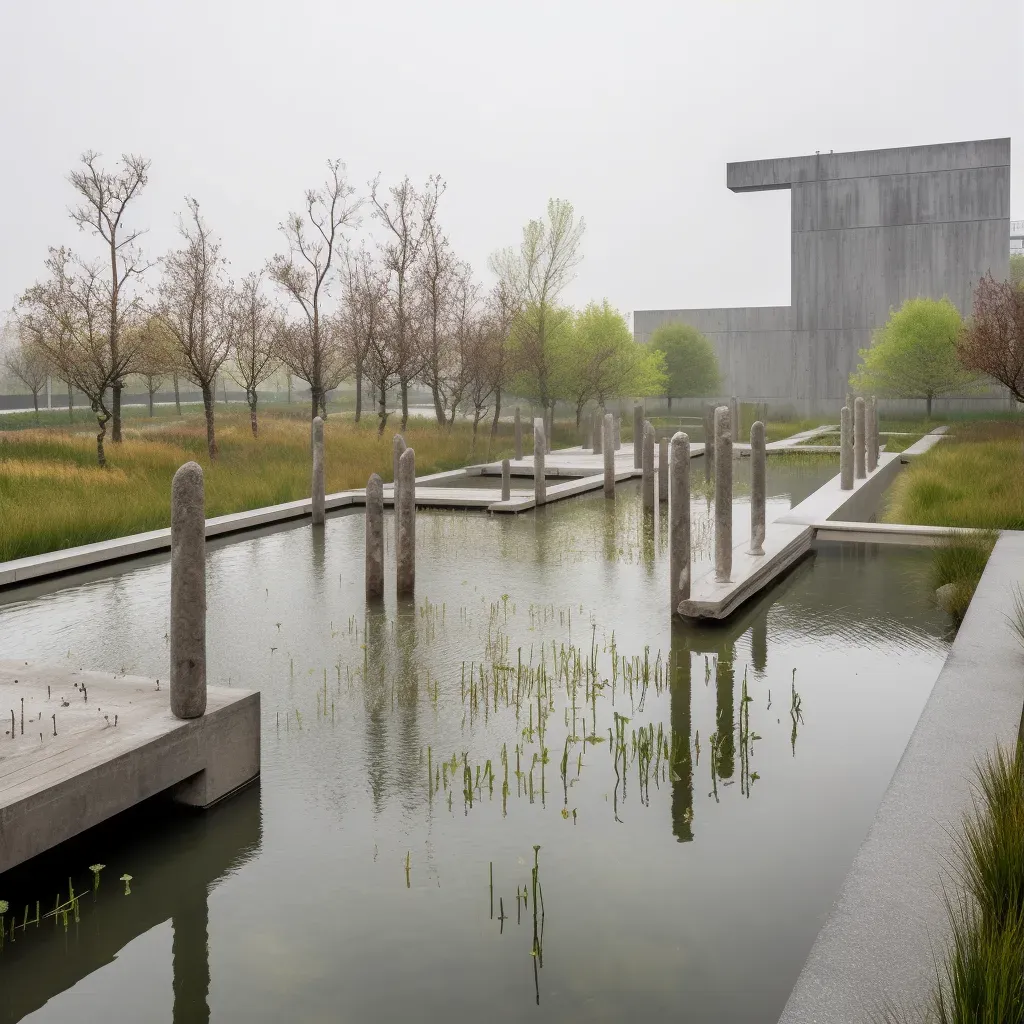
(870, 229)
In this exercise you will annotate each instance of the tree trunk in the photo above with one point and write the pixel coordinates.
(35, 401)
(253, 398)
(435, 391)
(101, 455)
(323, 405)
(211, 437)
(177, 396)
(579, 412)
(150, 403)
(315, 402)
(71, 404)
(669, 397)
(115, 435)
(382, 411)
(359, 388)
(928, 409)
(405, 403)
(289, 377)
(497, 412)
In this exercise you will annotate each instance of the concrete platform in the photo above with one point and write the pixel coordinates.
(54, 786)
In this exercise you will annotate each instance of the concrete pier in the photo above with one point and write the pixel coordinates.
(317, 490)
(374, 538)
(758, 483)
(609, 458)
(679, 521)
(539, 483)
(638, 435)
(519, 435)
(188, 593)
(405, 515)
(506, 480)
(647, 465)
(845, 449)
(663, 469)
(723, 494)
(859, 466)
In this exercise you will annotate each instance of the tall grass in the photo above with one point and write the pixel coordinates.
(959, 561)
(52, 494)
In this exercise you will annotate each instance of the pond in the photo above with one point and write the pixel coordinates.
(525, 795)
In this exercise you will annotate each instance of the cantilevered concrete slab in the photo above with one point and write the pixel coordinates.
(88, 745)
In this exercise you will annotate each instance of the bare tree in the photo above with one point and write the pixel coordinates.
(405, 216)
(367, 329)
(503, 307)
(105, 197)
(193, 304)
(68, 316)
(27, 360)
(536, 273)
(435, 278)
(255, 333)
(463, 327)
(158, 357)
(992, 341)
(314, 351)
(483, 355)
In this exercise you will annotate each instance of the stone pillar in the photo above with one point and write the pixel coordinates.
(663, 470)
(540, 490)
(188, 592)
(406, 517)
(709, 443)
(723, 494)
(872, 435)
(647, 464)
(317, 488)
(859, 469)
(519, 435)
(617, 426)
(758, 473)
(398, 446)
(845, 450)
(598, 431)
(374, 538)
(506, 480)
(609, 456)
(679, 521)
(638, 435)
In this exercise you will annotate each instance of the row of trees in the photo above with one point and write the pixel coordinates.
(398, 310)
(927, 350)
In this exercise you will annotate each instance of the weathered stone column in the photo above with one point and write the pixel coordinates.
(398, 446)
(540, 490)
(872, 435)
(617, 426)
(506, 480)
(647, 465)
(663, 470)
(609, 456)
(317, 487)
(638, 435)
(723, 494)
(188, 592)
(519, 435)
(406, 516)
(845, 450)
(598, 431)
(859, 470)
(709, 443)
(758, 474)
(374, 538)
(679, 520)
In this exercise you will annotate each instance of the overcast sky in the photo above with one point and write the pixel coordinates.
(630, 110)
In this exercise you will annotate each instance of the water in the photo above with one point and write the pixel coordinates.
(345, 887)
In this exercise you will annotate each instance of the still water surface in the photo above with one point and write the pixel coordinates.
(694, 819)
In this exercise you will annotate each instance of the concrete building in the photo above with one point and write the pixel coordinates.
(869, 230)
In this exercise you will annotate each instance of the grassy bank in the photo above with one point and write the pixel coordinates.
(53, 495)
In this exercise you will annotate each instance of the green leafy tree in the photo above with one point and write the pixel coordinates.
(915, 354)
(598, 359)
(691, 367)
(1017, 269)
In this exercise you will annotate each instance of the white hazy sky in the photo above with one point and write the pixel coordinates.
(629, 110)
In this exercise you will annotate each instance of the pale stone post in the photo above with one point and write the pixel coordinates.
(188, 592)
(845, 450)
(540, 491)
(609, 457)
(758, 473)
(663, 470)
(598, 431)
(723, 494)
(859, 470)
(638, 435)
(648, 465)
(317, 488)
(406, 516)
(679, 520)
(374, 538)
(519, 435)
(506, 480)
(398, 446)
(872, 433)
